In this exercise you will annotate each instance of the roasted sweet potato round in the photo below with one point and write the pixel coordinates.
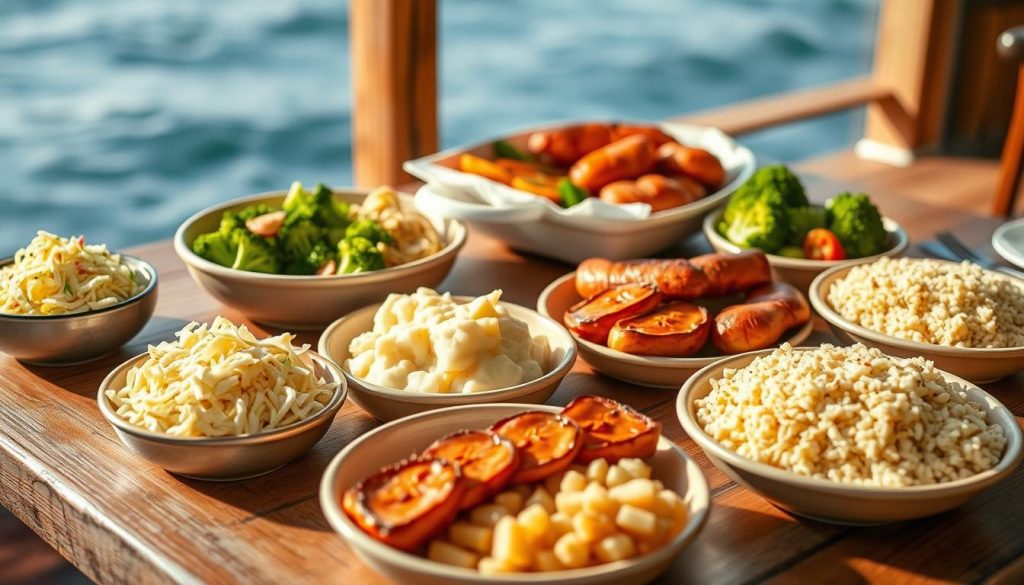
(612, 430)
(594, 318)
(547, 443)
(488, 461)
(673, 330)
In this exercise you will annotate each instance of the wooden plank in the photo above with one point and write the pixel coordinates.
(751, 116)
(394, 81)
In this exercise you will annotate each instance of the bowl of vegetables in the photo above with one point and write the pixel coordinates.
(771, 212)
(302, 258)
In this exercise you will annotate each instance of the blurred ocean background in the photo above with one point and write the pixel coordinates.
(120, 118)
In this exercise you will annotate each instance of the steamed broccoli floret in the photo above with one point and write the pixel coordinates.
(252, 211)
(231, 220)
(297, 199)
(330, 212)
(369, 229)
(760, 224)
(255, 254)
(802, 220)
(298, 239)
(218, 247)
(359, 255)
(318, 206)
(319, 255)
(780, 179)
(858, 225)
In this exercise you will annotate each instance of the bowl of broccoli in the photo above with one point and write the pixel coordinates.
(299, 259)
(771, 212)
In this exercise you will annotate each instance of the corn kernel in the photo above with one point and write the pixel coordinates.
(449, 554)
(592, 527)
(635, 467)
(511, 543)
(542, 497)
(616, 476)
(597, 501)
(636, 521)
(512, 501)
(664, 503)
(535, 520)
(615, 548)
(569, 502)
(547, 561)
(470, 536)
(571, 551)
(492, 566)
(635, 492)
(597, 470)
(487, 514)
(559, 525)
(573, 481)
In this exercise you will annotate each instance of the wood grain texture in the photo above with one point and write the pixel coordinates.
(64, 473)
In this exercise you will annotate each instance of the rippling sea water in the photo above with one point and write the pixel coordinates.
(120, 118)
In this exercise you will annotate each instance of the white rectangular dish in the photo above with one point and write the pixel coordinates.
(593, 228)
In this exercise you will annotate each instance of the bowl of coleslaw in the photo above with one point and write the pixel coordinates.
(64, 301)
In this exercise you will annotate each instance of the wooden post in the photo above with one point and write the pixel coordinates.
(1013, 156)
(394, 80)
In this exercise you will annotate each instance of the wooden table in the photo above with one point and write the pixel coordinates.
(119, 519)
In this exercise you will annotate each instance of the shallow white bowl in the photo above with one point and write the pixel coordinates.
(800, 272)
(388, 403)
(830, 501)
(979, 365)
(397, 440)
(308, 302)
(658, 372)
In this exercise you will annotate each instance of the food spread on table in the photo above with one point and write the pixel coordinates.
(928, 301)
(61, 276)
(535, 492)
(618, 163)
(219, 380)
(313, 233)
(771, 212)
(429, 342)
(652, 307)
(851, 415)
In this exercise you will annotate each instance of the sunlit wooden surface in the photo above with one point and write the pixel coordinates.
(118, 519)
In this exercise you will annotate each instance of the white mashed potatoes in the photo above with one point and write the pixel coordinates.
(427, 342)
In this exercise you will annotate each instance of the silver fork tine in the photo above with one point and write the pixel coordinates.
(958, 247)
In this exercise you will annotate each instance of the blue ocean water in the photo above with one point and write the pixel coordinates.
(120, 118)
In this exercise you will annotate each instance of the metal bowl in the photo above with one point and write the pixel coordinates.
(225, 458)
(63, 340)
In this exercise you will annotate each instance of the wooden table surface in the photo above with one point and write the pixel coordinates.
(119, 519)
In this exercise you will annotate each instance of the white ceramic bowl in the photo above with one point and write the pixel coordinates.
(308, 302)
(835, 502)
(224, 458)
(388, 404)
(397, 440)
(658, 372)
(533, 224)
(979, 365)
(800, 272)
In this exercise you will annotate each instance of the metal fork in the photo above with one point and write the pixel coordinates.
(961, 250)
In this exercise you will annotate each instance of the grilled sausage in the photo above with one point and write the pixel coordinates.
(696, 163)
(564, 146)
(732, 273)
(675, 279)
(652, 132)
(658, 191)
(625, 158)
(768, 311)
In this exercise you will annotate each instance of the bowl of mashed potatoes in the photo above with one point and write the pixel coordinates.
(425, 350)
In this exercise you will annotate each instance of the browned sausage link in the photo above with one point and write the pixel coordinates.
(768, 311)
(565, 146)
(733, 273)
(675, 279)
(623, 130)
(625, 158)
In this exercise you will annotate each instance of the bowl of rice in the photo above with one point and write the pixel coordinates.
(849, 435)
(968, 320)
(219, 404)
(64, 301)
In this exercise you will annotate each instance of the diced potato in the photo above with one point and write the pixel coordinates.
(492, 566)
(536, 520)
(572, 552)
(597, 501)
(511, 501)
(573, 481)
(569, 502)
(636, 521)
(547, 561)
(597, 470)
(615, 548)
(553, 482)
(511, 543)
(635, 467)
(635, 492)
(487, 514)
(470, 536)
(664, 503)
(616, 476)
(449, 554)
(542, 497)
(559, 525)
(592, 527)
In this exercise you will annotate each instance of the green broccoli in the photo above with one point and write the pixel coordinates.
(318, 206)
(219, 247)
(776, 182)
(252, 211)
(297, 199)
(255, 254)
(760, 224)
(802, 220)
(330, 212)
(858, 225)
(296, 240)
(369, 229)
(319, 255)
(359, 255)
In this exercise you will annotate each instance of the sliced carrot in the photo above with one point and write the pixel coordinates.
(470, 163)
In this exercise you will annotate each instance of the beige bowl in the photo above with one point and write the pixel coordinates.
(830, 501)
(397, 440)
(657, 372)
(800, 272)
(308, 302)
(979, 365)
(388, 404)
(224, 458)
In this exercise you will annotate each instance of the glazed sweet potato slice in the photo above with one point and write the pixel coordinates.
(612, 430)
(673, 330)
(547, 443)
(405, 504)
(488, 462)
(594, 318)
